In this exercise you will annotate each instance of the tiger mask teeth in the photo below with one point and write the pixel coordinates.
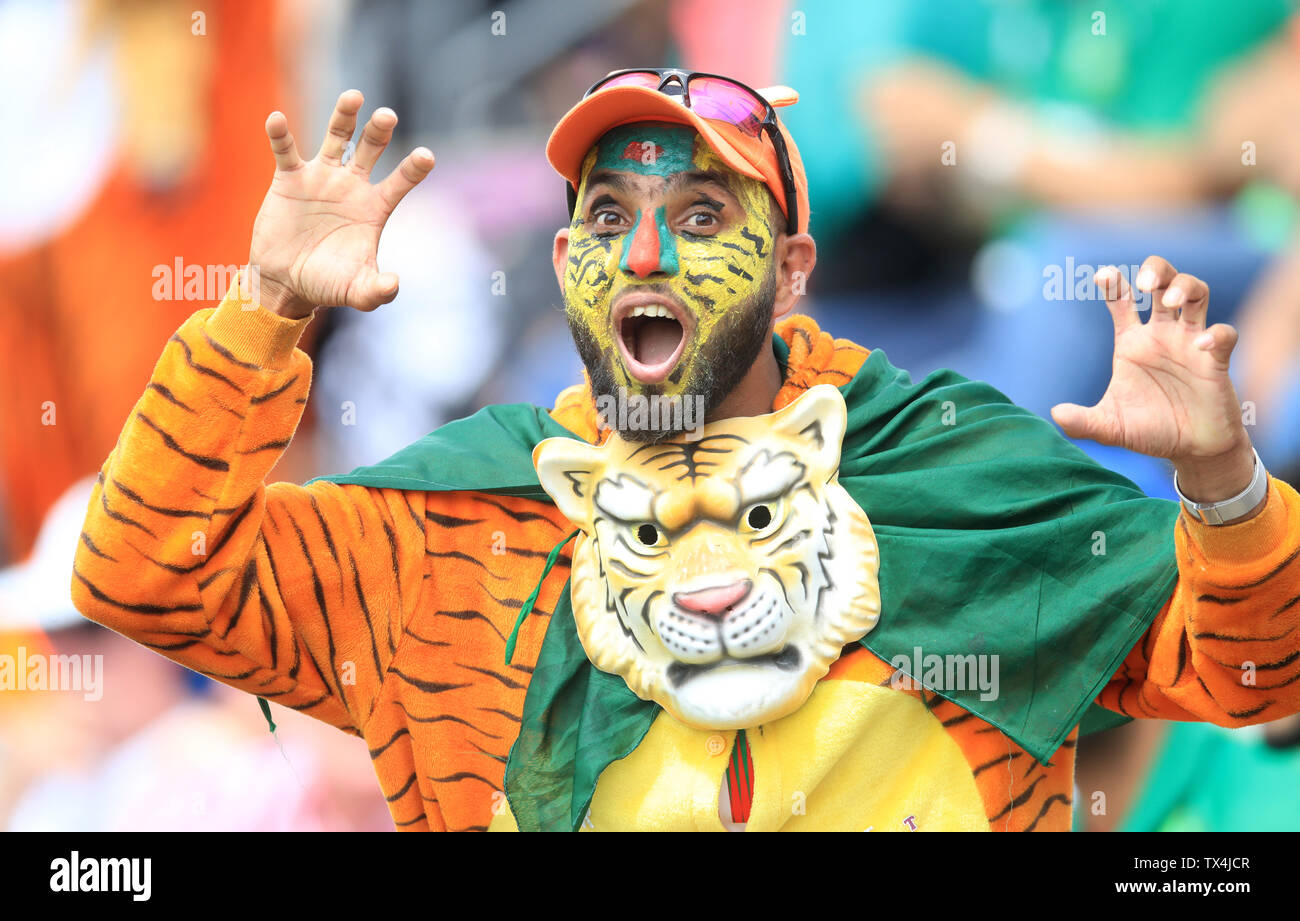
(719, 577)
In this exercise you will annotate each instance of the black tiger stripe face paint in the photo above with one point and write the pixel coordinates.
(670, 279)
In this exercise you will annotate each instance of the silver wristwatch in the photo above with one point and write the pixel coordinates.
(1229, 510)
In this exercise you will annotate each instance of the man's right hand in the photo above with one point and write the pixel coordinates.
(316, 236)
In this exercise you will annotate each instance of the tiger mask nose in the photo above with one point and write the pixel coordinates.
(714, 602)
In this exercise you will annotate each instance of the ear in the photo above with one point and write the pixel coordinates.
(796, 256)
(566, 468)
(560, 255)
(818, 418)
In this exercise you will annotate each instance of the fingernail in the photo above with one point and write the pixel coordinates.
(1173, 297)
(1146, 279)
(1203, 341)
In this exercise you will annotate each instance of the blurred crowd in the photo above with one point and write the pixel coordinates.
(970, 163)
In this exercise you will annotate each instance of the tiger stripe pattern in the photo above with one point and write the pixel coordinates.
(384, 612)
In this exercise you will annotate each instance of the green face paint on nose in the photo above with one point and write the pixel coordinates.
(650, 247)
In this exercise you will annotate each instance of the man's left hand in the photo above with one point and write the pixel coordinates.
(1169, 394)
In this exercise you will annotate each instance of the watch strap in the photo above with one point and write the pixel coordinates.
(1228, 510)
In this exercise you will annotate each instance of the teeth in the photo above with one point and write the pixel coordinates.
(652, 310)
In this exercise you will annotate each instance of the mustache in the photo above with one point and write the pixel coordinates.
(718, 364)
(662, 289)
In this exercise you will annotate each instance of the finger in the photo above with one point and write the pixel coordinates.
(406, 176)
(343, 122)
(373, 290)
(1190, 295)
(374, 138)
(1154, 276)
(1119, 297)
(1083, 422)
(1219, 340)
(282, 143)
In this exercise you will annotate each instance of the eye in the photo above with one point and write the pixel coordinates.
(607, 220)
(702, 220)
(762, 518)
(646, 540)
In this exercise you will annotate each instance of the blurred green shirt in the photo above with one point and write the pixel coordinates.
(1206, 778)
(1146, 72)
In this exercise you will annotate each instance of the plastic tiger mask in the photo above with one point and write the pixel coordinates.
(720, 577)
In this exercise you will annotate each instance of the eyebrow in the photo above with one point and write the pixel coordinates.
(699, 177)
(619, 181)
(625, 499)
(612, 178)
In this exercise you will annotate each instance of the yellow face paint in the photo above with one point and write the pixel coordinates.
(707, 274)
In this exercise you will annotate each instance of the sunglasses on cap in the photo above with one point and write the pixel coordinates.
(716, 98)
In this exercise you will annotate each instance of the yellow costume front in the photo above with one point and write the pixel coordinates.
(819, 769)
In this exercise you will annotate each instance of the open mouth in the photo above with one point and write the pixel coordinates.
(787, 660)
(651, 332)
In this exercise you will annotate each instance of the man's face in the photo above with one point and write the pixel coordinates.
(670, 282)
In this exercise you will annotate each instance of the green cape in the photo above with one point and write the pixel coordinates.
(997, 537)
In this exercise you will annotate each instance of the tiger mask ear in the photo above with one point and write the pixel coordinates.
(818, 419)
(567, 470)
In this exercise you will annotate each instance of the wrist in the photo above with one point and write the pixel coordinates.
(257, 337)
(1242, 506)
(279, 299)
(1214, 479)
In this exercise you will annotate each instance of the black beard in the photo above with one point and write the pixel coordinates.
(723, 361)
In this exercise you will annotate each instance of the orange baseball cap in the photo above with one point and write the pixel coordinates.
(584, 124)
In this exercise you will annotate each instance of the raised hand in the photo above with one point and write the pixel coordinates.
(1169, 394)
(317, 233)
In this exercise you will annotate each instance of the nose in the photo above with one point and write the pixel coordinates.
(649, 248)
(714, 601)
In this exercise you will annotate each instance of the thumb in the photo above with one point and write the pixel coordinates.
(374, 289)
(1219, 340)
(1081, 421)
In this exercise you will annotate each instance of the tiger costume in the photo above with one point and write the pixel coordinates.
(379, 612)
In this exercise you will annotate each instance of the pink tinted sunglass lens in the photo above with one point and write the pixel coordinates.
(727, 102)
(648, 80)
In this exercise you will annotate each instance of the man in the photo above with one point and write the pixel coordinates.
(385, 602)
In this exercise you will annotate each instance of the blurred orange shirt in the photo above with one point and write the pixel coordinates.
(72, 331)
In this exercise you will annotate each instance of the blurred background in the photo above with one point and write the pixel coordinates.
(970, 165)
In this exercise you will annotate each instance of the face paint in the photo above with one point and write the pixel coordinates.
(719, 277)
(650, 247)
(650, 149)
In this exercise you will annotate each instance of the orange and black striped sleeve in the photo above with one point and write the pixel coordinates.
(296, 594)
(1226, 646)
